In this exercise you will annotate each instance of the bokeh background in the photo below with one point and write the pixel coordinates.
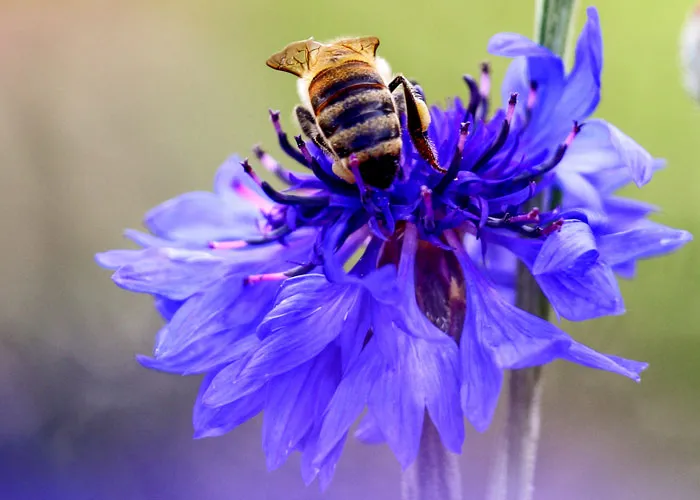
(108, 108)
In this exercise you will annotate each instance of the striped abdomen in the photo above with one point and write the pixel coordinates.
(356, 114)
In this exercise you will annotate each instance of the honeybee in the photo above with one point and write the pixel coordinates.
(350, 109)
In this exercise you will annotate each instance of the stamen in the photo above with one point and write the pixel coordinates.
(354, 165)
(511, 106)
(553, 227)
(328, 179)
(474, 97)
(290, 273)
(304, 150)
(291, 199)
(532, 216)
(532, 95)
(501, 138)
(257, 278)
(273, 166)
(252, 197)
(227, 245)
(484, 89)
(485, 81)
(550, 164)
(456, 162)
(251, 173)
(284, 141)
(574, 132)
(429, 215)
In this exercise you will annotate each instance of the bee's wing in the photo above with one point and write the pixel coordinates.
(366, 45)
(296, 58)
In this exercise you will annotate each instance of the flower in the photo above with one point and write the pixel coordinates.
(317, 302)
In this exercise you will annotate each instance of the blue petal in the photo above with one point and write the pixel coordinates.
(166, 307)
(200, 217)
(435, 371)
(170, 272)
(349, 400)
(578, 192)
(202, 357)
(294, 401)
(368, 431)
(579, 296)
(514, 44)
(114, 259)
(211, 422)
(639, 162)
(571, 249)
(398, 408)
(583, 355)
(582, 92)
(324, 469)
(497, 335)
(210, 323)
(481, 378)
(309, 313)
(648, 240)
(229, 174)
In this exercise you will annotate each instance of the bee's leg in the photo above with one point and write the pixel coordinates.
(309, 127)
(417, 119)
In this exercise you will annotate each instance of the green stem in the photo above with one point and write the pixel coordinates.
(514, 473)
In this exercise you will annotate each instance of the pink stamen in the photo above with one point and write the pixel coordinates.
(532, 95)
(485, 80)
(427, 195)
(463, 134)
(252, 197)
(574, 132)
(354, 165)
(227, 245)
(511, 106)
(251, 173)
(532, 216)
(266, 160)
(553, 227)
(258, 278)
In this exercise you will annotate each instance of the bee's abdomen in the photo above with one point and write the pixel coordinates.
(355, 110)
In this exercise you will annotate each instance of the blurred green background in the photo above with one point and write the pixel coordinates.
(108, 108)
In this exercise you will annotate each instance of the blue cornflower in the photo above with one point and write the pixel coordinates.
(317, 302)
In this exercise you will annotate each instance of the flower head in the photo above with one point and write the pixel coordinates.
(318, 301)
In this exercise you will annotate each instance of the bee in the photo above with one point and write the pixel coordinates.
(351, 107)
